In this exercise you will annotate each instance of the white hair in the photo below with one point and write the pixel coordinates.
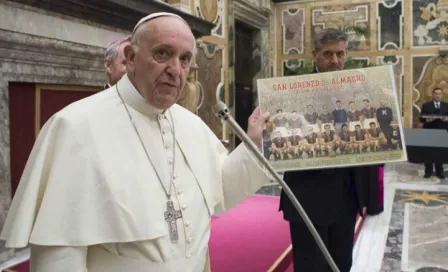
(138, 31)
(112, 51)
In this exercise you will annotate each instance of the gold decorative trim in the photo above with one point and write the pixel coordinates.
(37, 112)
(54, 87)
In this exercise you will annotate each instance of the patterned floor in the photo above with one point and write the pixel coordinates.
(412, 233)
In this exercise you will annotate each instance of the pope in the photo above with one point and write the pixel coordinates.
(126, 179)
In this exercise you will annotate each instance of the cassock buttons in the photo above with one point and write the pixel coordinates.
(184, 207)
(189, 255)
(190, 239)
(187, 224)
(179, 192)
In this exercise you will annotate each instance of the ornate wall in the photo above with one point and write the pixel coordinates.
(212, 74)
(216, 56)
(30, 54)
(402, 33)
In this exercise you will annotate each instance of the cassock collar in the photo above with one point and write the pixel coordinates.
(134, 99)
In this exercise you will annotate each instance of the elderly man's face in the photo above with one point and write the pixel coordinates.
(161, 65)
(331, 57)
(115, 69)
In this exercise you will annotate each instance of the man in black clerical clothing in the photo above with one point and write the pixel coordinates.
(384, 116)
(115, 61)
(434, 115)
(331, 197)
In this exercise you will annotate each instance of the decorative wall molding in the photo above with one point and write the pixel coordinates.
(75, 63)
(257, 17)
(118, 13)
(34, 59)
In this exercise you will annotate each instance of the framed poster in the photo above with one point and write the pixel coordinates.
(335, 119)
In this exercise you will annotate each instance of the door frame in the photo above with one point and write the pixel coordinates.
(54, 87)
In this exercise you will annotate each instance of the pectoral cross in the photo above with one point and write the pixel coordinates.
(171, 216)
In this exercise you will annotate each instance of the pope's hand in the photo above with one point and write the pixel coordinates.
(256, 124)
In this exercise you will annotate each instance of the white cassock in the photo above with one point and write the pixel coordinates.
(89, 199)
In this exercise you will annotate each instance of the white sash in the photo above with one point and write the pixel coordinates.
(100, 260)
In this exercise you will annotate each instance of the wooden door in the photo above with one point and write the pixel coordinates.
(30, 106)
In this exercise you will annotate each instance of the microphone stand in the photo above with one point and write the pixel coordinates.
(222, 112)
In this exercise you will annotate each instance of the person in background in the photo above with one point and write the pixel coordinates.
(331, 197)
(439, 109)
(115, 61)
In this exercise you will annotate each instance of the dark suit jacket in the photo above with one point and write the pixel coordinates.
(323, 193)
(429, 108)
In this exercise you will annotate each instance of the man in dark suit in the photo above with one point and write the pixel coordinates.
(434, 115)
(115, 61)
(331, 197)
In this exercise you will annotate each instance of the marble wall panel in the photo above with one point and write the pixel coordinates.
(293, 31)
(429, 72)
(394, 244)
(290, 67)
(211, 78)
(390, 24)
(398, 66)
(27, 58)
(352, 19)
(425, 242)
(429, 22)
(212, 11)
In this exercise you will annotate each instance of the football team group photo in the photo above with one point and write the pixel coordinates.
(320, 127)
